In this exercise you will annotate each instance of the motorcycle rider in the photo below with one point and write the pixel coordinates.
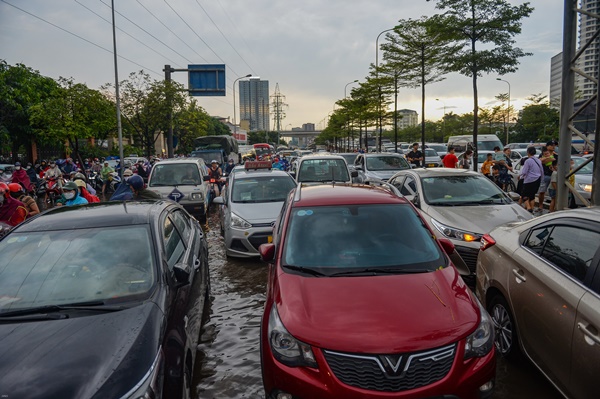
(215, 173)
(229, 167)
(141, 170)
(91, 198)
(54, 172)
(140, 192)
(17, 192)
(4, 177)
(12, 211)
(71, 195)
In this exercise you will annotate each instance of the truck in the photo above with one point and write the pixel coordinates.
(221, 148)
(485, 142)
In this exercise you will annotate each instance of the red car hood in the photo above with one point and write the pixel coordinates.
(377, 314)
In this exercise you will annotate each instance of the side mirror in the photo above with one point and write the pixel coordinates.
(292, 173)
(354, 173)
(181, 274)
(414, 199)
(206, 178)
(447, 245)
(358, 167)
(267, 252)
(218, 200)
(513, 196)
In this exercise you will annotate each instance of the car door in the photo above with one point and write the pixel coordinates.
(359, 165)
(545, 287)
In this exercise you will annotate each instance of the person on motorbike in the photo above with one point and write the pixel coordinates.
(12, 211)
(215, 174)
(54, 173)
(20, 176)
(32, 174)
(229, 167)
(71, 196)
(17, 192)
(140, 192)
(4, 177)
(105, 174)
(141, 170)
(91, 198)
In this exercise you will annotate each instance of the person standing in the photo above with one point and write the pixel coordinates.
(465, 163)
(415, 156)
(105, 174)
(546, 157)
(487, 166)
(450, 160)
(531, 174)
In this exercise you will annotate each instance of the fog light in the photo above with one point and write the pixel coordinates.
(283, 395)
(487, 386)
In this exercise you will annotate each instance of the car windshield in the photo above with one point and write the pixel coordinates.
(209, 156)
(377, 163)
(261, 189)
(482, 157)
(587, 169)
(262, 151)
(175, 174)
(462, 190)
(332, 239)
(488, 145)
(71, 266)
(430, 153)
(349, 158)
(438, 147)
(317, 170)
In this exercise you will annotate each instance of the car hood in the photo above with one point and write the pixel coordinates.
(262, 212)
(377, 314)
(478, 219)
(101, 355)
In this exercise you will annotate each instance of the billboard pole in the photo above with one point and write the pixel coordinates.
(168, 72)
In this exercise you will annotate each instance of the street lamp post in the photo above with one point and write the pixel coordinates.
(508, 109)
(234, 122)
(377, 76)
(347, 84)
(443, 119)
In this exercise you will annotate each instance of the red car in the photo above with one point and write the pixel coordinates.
(363, 302)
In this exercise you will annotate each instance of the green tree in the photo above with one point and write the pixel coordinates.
(537, 121)
(493, 23)
(421, 52)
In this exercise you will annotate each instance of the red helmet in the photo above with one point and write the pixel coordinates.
(4, 188)
(15, 187)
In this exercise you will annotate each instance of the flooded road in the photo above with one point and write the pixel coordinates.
(228, 361)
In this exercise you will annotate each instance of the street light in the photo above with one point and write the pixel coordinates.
(347, 84)
(443, 119)
(508, 109)
(376, 77)
(234, 125)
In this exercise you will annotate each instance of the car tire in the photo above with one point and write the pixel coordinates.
(506, 337)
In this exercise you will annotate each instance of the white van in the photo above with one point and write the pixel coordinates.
(485, 142)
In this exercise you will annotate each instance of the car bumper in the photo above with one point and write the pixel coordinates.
(197, 210)
(244, 243)
(467, 379)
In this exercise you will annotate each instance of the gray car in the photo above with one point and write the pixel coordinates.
(461, 205)
(250, 203)
(378, 166)
(321, 168)
(540, 282)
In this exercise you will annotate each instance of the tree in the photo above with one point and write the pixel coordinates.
(537, 121)
(475, 22)
(421, 53)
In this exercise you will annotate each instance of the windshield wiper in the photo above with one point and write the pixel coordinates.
(92, 305)
(481, 202)
(375, 271)
(305, 270)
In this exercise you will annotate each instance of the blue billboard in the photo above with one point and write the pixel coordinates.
(206, 80)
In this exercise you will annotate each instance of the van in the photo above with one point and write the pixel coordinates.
(182, 180)
(484, 142)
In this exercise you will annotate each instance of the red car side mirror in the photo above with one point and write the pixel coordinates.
(267, 252)
(447, 245)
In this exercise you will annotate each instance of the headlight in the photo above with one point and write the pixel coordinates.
(480, 343)
(239, 223)
(197, 197)
(457, 234)
(287, 349)
(585, 187)
(150, 386)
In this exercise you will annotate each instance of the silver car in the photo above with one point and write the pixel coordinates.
(540, 282)
(250, 203)
(321, 168)
(461, 205)
(378, 165)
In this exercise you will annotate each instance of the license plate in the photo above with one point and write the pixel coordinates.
(431, 165)
(270, 239)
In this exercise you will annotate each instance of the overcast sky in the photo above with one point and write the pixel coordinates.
(312, 48)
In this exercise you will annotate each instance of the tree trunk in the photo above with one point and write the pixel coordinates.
(423, 102)
(475, 99)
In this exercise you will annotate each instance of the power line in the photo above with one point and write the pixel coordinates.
(80, 37)
(131, 36)
(225, 37)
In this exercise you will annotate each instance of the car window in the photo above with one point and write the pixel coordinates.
(174, 246)
(379, 163)
(537, 239)
(183, 225)
(572, 249)
(58, 267)
(409, 187)
(172, 174)
(261, 189)
(397, 182)
(323, 170)
(354, 238)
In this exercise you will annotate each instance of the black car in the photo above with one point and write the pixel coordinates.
(102, 301)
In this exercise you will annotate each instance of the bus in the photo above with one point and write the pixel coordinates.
(263, 150)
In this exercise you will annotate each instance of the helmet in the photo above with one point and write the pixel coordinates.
(4, 188)
(70, 186)
(17, 163)
(127, 173)
(15, 187)
(214, 161)
(136, 182)
(79, 175)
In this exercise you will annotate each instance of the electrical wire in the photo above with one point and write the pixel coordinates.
(80, 37)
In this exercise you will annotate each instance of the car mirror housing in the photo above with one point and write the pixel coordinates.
(267, 252)
(181, 274)
(447, 245)
(218, 200)
(513, 196)
(354, 173)
(206, 178)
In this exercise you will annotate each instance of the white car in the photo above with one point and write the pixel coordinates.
(378, 166)
(322, 168)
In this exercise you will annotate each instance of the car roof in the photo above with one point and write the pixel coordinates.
(245, 174)
(103, 214)
(322, 156)
(344, 194)
(192, 160)
(385, 154)
(441, 172)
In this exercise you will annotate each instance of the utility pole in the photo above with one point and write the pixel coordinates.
(278, 112)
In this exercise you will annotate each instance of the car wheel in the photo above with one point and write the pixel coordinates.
(507, 340)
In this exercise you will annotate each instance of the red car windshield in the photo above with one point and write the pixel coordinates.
(332, 239)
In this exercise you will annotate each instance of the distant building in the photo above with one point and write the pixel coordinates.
(588, 62)
(308, 127)
(555, 80)
(407, 118)
(254, 104)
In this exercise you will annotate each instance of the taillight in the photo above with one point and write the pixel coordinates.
(213, 180)
(486, 242)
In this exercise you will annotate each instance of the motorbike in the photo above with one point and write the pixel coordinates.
(53, 190)
(113, 182)
(212, 192)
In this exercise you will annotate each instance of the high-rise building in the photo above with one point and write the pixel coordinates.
(588, 62)
(407, 118)
(254, 104)
(555, 80)
(308, 127)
